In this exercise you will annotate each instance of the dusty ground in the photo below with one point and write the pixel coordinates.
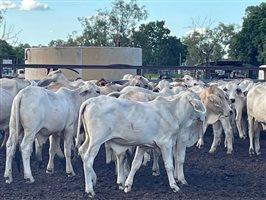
(210, 176)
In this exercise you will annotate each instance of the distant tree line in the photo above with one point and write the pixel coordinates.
(118, 25)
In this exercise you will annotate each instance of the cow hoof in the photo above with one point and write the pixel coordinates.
(121, 186)
(251, 152)
(182, 182)
(28, 180)
(155, 173)
(49, 171)
(212, 151)
(175, 188)
(70, 174)
(8, 180)
(229, 151)
(91, 194)
(127, 189)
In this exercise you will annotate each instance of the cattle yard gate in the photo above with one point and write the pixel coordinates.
(203, 72)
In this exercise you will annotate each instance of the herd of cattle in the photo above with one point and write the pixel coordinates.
(139, 116)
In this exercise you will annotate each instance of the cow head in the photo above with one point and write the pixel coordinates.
(89, 90)
(54, 76)
(197, 105)
(218, 105)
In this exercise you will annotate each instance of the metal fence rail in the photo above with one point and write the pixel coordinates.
(139, 68)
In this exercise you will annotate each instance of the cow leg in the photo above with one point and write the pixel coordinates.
(146, 159)
(68, 140)
(167, 154)
(6, 134)
(53, 139)
(26, 149)
(58, 150)
(155, 165)
(239, 123)
(136, 163)
(217, 132)
(228, 134)
(39, 142)
(251, 134)
(89, 174)
(10, 152)
(121, 176)
(180, 153)
(257, 138)
(200, 142)
(244, 126)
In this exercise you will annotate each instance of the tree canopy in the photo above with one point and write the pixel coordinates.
(158, 46)
(249, 44)
(112, 27)
(207, 44)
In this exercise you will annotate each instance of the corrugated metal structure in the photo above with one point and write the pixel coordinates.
(83, 56)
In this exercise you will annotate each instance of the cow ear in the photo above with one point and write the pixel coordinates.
(212, 88)
(197, 105)
(84, 93)
(45, 82)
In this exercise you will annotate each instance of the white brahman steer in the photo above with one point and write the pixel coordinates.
(238, 96)
(157, 124)
(57, 77)
(6, 100)
(8, 90)
(256, 110)
(41, 113)
(137, 80)
(54, 81)
(217, 115)
(196, 128)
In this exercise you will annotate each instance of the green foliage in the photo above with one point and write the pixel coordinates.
(158, 46)
(5, 50)
(249, 44)
(15, 53)
(19, 52)
(207, 44)
(111, 27)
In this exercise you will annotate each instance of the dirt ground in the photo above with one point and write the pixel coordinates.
(210, 176)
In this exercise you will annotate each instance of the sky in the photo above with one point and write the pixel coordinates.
(40, 21)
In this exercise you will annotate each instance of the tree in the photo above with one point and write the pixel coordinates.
(6, 50)
(207, 44)
(249, 44)
(57, 43)
(7, 33)
(158, 46)
(19, 52)
(112, 27)
(15, 53)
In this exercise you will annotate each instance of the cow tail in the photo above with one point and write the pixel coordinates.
(78, 136)
(16, 109)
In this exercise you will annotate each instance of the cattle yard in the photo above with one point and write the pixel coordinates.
(225, 166)
(210, 176)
